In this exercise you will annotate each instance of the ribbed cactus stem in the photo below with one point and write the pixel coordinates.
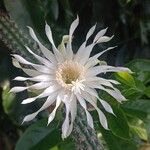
(14, 38)
(84, 136)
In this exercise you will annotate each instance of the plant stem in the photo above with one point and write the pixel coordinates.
(85, 137)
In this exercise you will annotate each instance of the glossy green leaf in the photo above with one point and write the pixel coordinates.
(141, 132)
(139, 65)
(40, 136)
(147, 92)
(118, 124)
(139, 108)
(116, 143)
(126, 78)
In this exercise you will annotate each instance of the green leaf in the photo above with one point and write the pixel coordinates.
(139, 108)
(116, 143)
(147, 92)
(40, 136)
(139, 65)
(141, 132)
(118, 124)
(125, 78)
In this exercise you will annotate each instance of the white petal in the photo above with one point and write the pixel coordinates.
(113, 92)
(47, 53)
(71, 31)
(55, 50)
(42, 60)
(116, 94)
(22, 60)
(49, 34)
(100, 34)
(31, 72)
(81, 50)
(52, 115)
(104, 69)
(102, 119)
(90, 32)
(71, 107)
(89, 117)
(41, 78)
(106, 106)
(45, 93)
(39, 68)
(28, 100)
(20, 78)
(86, 54)
(48, 102)
(74, 26)
(104, 39)
(40, 85)
(17, 89)
(65, 125)
(97, 81)
(93, 60)
(101, 115)
(29, 117)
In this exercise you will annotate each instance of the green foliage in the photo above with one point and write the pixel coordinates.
(39, 136)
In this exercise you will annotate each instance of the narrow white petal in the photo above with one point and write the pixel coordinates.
(20, 78)
(102, 119)
(39, 68)
(55, 50)
(71, 31)
(50, 100)
(97, 81)
(17, 89)
(48, 91)
(45, 93)
(104, 69)
(42, 78)
(29, 117)
(52, 115)
(90, 32)
(72, 108)
(83, 104)
(116, 94)
(93, 60)
(101, 115)
(31, 72)
(74, 26)
(86, 54)
(104, 39)
(113, 92)
(100, 34)
(47, 53)
(39, 58)
(65, 125)
(49, 34)
(22, 60)
(82, 49)
(40, 85)
(113, 81)
(106, 106)
(28, 100)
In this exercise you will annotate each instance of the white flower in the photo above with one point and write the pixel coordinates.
(65, 78)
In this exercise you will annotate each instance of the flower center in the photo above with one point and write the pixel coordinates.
(69, 72)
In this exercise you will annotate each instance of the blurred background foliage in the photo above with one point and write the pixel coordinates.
(128, 20)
